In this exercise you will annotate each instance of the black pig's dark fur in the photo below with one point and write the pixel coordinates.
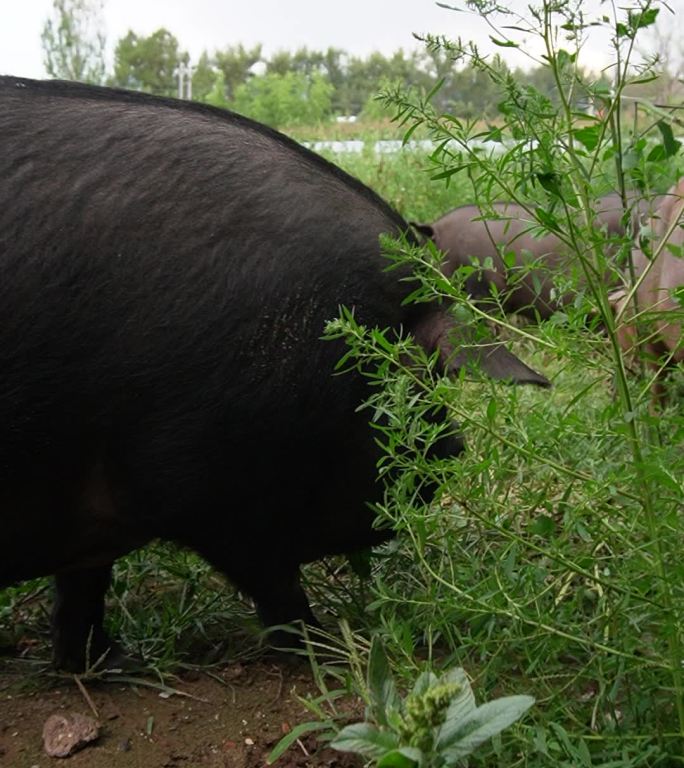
(167, 272)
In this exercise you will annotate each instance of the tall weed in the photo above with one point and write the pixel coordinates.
(552, 564)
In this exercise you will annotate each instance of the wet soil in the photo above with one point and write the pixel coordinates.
(230, 717)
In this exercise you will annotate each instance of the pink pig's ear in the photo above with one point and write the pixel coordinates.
(616, 298)
(460, 349)
(425, 230)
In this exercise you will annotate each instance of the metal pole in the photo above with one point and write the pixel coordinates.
(180, 71)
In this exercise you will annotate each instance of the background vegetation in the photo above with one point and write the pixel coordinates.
(308, 87)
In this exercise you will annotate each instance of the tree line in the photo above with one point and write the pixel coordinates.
(302, 86)
(286, 88)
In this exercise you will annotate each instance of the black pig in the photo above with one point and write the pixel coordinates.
(167, 272)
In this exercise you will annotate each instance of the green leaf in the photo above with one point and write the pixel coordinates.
(664, 479)
(588, 136)
(645, 78)
(406, 757)
(365, 739)
(381, 687)
(481, 724)
(641, 19)
(424, 681)
(434, 89)
(670, 144)
(504, 43)
(550, 181)
(289, 739)
(543, 526)
(547, 219)
(656, 154)
(630, 160)
(564, 58)
(407, 136)
(360, 562)
(509, 259)
(460, 707)
(678, 295)
(446, 174)
(381, 340)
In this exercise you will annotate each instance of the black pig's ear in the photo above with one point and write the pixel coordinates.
(497, 362)
(460, 348)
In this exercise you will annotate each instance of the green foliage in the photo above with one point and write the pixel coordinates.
(73, 41)
(435, 726)
(330, 64)
(205, 79)
(375, 107)
(169, 607)
(552, 560)
(217, 95)
(216, 78)
(354, 82)
(288, 99)
(404, 178)
(235, 63)
(148, 63)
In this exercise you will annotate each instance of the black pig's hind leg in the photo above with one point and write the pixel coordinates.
(78, 636)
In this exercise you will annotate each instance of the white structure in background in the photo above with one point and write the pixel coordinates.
(184, 74)
(258, 68)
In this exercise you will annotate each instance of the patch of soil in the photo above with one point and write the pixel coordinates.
(230, 720)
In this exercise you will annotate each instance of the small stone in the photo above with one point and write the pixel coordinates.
(65, 734)
(249, 742)
(125, 745)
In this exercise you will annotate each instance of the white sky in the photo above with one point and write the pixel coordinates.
(357, 26)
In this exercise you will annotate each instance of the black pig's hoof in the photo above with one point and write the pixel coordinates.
(91, 659)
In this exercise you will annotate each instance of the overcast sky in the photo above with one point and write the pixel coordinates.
(356, 26)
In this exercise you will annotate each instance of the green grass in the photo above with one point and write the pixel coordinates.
(404, 180)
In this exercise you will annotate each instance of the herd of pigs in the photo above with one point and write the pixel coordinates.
(168, 270)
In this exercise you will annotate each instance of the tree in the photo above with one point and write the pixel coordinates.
(73, 41)
(217, 95)
(236, 62)
(365, 77)
(289, 99)
(330, 63)
(148, 63)
(203, 77)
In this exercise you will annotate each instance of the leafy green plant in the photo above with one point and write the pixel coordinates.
(437, 724)
(552, 560)
(279, 100)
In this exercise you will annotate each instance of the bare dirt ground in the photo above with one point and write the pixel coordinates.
(231, 717)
